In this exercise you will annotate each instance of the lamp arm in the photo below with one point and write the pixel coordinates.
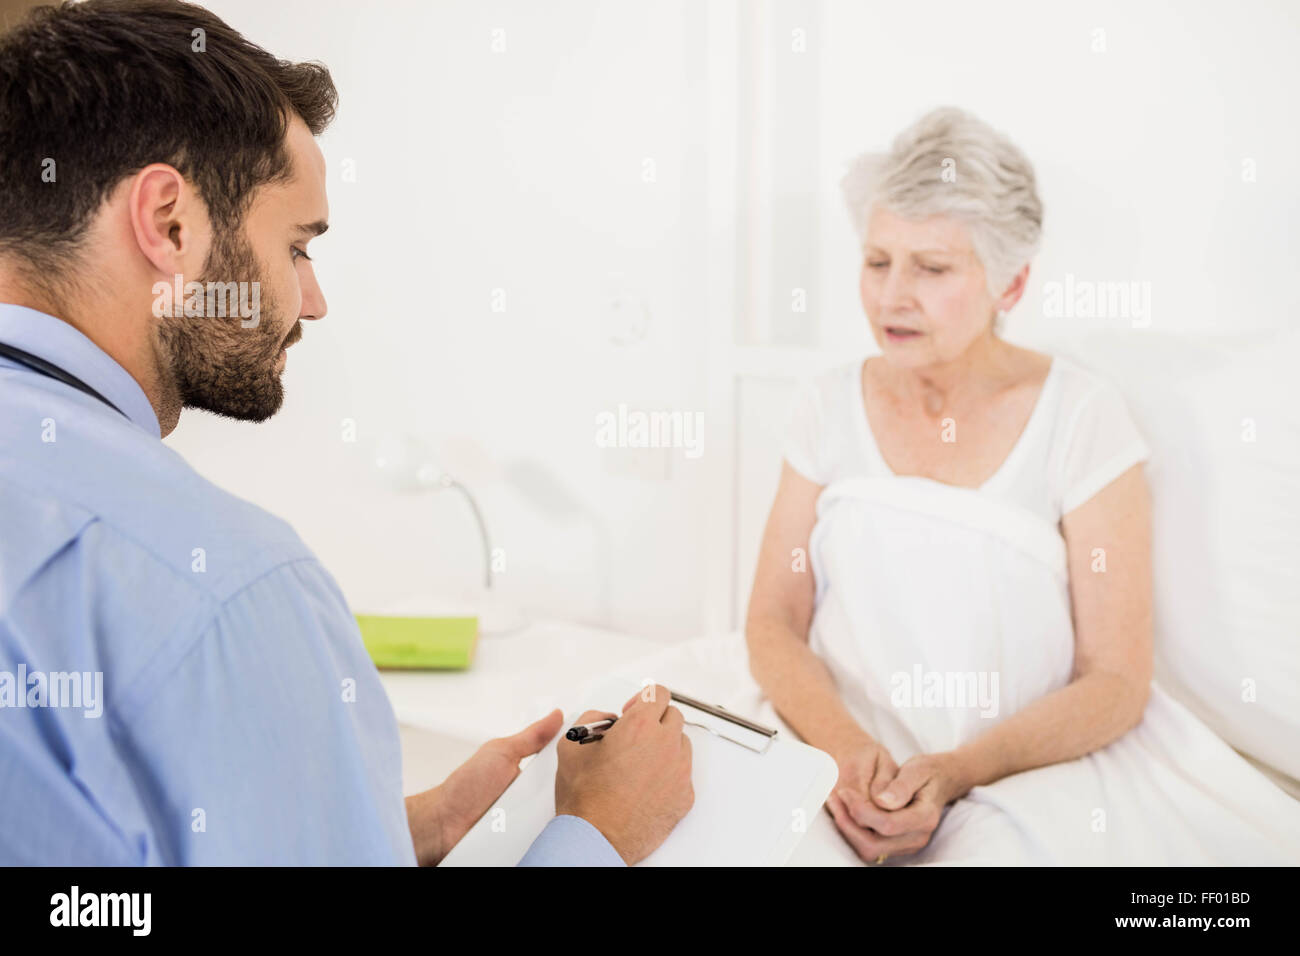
(482, 528)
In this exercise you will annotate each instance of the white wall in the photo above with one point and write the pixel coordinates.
(525, 171)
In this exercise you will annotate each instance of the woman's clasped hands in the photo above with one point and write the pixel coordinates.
(885, 810)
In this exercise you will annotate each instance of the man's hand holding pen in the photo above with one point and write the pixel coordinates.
(635, 785)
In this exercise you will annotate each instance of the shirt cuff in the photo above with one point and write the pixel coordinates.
(571, 841)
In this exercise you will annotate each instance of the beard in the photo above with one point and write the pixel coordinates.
(218, 365)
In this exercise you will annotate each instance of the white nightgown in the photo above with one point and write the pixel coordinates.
(942, 610)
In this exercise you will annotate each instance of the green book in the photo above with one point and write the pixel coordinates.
(419, 643)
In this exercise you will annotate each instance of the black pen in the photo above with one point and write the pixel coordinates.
(589, 733)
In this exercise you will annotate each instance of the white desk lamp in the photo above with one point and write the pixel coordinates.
(409, 466)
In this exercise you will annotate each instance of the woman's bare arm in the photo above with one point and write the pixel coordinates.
(1108, 542)
(780, 612)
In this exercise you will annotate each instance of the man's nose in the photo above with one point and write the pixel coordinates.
(313, 299)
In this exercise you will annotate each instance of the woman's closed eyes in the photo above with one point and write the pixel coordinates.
(934, 270)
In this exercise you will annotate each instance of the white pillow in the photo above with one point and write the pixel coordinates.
(1223, 422)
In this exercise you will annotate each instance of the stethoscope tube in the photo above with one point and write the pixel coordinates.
(50, 370)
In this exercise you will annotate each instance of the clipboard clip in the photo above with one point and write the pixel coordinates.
(723, 714)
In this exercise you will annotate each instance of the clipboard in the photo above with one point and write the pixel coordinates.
(756, 793)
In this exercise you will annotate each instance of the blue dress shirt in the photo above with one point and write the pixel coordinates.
(181, 681)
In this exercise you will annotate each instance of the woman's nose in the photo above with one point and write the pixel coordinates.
(896, 289)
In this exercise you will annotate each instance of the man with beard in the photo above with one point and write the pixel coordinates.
(147, 145)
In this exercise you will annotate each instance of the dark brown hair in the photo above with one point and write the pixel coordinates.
(106, 87)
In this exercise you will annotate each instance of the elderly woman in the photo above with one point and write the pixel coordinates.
(978, 601)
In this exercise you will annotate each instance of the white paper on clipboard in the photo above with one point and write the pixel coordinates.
(751, 809)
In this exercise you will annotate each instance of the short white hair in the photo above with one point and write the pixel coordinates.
(949, 163)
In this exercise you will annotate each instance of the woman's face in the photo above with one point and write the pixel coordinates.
(923, 288)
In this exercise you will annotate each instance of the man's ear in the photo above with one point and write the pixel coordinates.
(166, 219)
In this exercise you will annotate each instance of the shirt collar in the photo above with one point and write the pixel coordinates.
(59, 343)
